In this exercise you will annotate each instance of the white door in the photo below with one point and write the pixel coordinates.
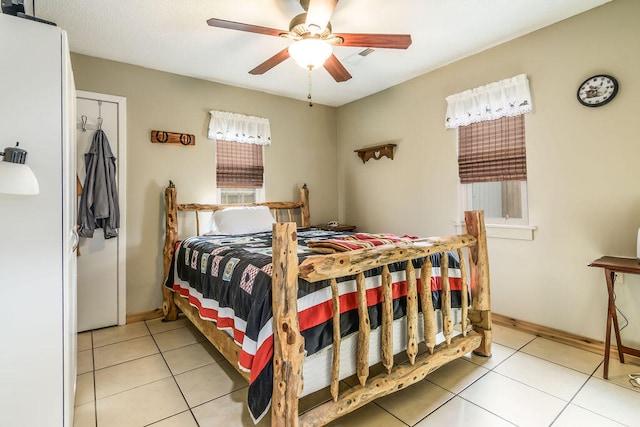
(101, 276)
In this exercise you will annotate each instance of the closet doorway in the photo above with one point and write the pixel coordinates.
(102, 262)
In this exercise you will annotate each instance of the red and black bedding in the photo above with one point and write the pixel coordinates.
(228, 279)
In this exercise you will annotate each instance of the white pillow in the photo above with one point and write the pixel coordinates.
(242, 220)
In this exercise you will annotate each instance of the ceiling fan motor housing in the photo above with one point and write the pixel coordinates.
(298, 26)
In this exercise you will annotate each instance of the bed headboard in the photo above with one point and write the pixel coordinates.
(282, 212)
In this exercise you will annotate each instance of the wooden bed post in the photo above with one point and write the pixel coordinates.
(171, 235)
(306, 214)
(480, 313)
(288, 344)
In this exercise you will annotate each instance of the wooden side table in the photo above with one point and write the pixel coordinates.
(611, 266)
(339, 227)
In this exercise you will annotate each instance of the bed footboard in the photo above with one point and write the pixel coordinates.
(288, 346)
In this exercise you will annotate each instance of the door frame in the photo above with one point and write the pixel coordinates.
(121, 171)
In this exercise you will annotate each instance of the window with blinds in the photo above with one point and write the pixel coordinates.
(492, 167)
(239, 172)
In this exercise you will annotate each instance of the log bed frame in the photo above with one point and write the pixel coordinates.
(288, 342)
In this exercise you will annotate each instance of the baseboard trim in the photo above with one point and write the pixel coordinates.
(563, 337)
(145, 315)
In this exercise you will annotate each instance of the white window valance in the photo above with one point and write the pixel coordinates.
(233, 127)
(505, 98)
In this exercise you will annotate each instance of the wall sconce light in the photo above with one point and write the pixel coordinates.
(16, 177)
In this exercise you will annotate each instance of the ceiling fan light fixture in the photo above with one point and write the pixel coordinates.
(310, 53)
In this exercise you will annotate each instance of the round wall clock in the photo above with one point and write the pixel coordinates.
(597, 90)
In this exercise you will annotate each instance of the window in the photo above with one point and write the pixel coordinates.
(492, 156)
(239, 172)
(493, 169)
(239, 155)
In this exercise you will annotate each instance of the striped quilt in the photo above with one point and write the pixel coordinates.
(352, 242)
(228, 279)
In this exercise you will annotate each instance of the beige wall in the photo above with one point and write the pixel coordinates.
(584, 194)
(584, 184)
(303, 151)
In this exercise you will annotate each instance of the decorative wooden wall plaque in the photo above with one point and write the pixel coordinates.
(376, 152)
(163, 137)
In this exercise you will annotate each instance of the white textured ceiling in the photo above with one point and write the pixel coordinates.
(173, 36)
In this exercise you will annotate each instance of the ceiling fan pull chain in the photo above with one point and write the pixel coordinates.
(309, 94)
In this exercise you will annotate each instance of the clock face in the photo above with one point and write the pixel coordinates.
(597, 90)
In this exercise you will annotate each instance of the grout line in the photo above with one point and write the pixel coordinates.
(172, 375)
(93, 374)
(485, 409)
(375, 402)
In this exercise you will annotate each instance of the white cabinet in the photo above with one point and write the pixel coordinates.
(37, 263)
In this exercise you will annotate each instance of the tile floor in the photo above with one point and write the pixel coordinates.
(166, 374)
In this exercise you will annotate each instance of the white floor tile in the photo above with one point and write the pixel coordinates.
(456, 375)
(565, 355)
(514, 401)
(540, 374)
(84, 389)
(157, 326)
(124, 351)
(610, 400)
(142, 405)
(177, 338)
(368, 416)
(574, 416)
(510, 337)
(229, 411)
(183, 419)
(128, 375)
(499, 353)
(119, 333)
(191, 356)
(460, 413)
(619, 372)
(84, 415)
(84, 341)
(209, 382)
(402, 404)
(85, 361)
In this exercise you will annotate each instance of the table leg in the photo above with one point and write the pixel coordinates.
(611, 317)
(607, 340)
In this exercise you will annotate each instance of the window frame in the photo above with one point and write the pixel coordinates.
(259, 194)
(466, 203)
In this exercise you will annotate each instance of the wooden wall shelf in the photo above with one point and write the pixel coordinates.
(376, 152)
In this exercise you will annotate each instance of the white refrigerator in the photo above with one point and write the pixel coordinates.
(37, 262)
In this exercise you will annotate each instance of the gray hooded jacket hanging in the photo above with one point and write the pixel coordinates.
(99, 200)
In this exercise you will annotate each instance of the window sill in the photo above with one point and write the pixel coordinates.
(498, 231)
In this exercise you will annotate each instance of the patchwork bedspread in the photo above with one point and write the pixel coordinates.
(228, 279)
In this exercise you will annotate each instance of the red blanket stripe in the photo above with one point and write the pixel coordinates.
(308, 318)
(316, 315)
(211, 314)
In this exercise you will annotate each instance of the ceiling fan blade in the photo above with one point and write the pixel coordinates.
(319, 13)
(336, 69)
(271, 62)
(388, 41)
(231, 25)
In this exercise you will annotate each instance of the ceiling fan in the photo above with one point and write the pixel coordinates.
(311, 31)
